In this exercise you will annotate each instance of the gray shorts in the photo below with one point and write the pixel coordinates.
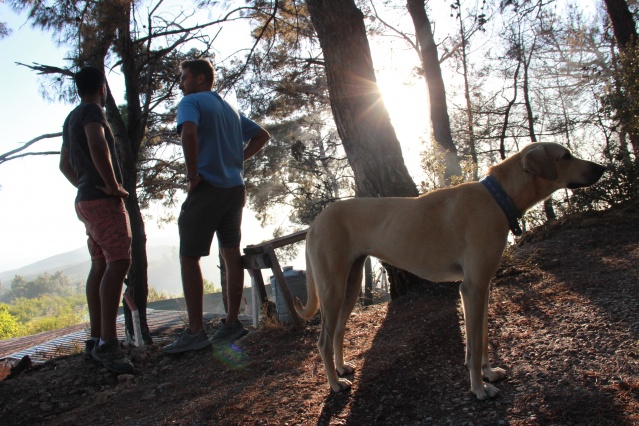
(208, 210)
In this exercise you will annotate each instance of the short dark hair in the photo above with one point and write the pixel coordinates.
(89, 80)
(200, 66)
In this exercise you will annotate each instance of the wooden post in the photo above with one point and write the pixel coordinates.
(368, 282)
(281, 282)
(262, 256)
(255, 262)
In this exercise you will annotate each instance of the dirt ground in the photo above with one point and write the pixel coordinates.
(564, 322)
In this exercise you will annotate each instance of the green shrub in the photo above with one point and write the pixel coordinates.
(9, 325)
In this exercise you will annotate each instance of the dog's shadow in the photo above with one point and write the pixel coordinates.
(414, 367)
(334, 406)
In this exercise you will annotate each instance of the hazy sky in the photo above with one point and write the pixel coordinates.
(36, 203)
(37, 216)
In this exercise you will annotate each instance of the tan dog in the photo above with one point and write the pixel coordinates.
(450, 234)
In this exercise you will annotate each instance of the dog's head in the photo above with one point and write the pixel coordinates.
(556, 163)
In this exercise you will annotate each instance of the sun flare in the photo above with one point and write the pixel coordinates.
(406, 100)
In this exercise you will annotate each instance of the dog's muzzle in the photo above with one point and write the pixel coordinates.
(591, 176)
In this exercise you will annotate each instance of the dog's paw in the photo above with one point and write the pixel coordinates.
(494, 374)
(346, 369)
(486, 391)
(341, 385)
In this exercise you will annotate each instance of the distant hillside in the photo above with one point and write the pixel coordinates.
(75, 264)
(164, 268)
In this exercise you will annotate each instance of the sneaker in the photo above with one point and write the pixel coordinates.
(188, 342)
(229, 333)
(112, 357)
(88, 347)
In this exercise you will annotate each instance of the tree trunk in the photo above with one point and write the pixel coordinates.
(549, 210)
(623, 26)
(368, 282)
(362, 121)
(128, 137)
(223, 285)
(439, 119)
(361, 118)
(469, 105)
(526, 89)
(137, 281)
(137, 278)
(507, 110)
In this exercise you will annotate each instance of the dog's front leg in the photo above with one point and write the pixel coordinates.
(474, 296)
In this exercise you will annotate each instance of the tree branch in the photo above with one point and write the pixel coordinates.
(47, 69)
(179, 30)
(13, 154)
(257, 40)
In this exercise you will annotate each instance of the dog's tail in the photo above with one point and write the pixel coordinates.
(312, 301)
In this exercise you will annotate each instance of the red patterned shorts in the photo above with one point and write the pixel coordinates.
(108, 228)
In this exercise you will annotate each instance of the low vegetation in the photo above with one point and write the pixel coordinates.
(48, 302)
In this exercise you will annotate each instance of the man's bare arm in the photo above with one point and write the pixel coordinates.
(101, 157)
(66, 169)
(188, 137)
(256, 143)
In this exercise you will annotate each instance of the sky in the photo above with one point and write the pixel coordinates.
(37, 216)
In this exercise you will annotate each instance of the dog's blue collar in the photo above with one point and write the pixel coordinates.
(505, 202)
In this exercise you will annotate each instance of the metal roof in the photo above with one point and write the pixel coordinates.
(70, 340)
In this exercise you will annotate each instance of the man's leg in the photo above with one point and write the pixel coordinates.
(194, 337)
(193, 286)
(231, 328)
(196, 234)
(234, 282)
(98, 266)
(108, 351)
(110, 292)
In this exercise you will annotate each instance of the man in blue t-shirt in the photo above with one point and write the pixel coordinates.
(213, 136)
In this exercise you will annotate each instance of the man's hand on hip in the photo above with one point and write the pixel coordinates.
(117, 191)
(193, 183)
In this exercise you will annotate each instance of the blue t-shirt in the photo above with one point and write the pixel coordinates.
(221, 134)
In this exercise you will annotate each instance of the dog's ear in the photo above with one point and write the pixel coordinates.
(538, 162)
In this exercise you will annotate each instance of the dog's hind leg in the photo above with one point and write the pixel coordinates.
(353, 289)
(325, 345)
(331, 302)
(489, 373)
(474, 293)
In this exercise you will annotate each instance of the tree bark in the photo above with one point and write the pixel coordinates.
(625, 30)
(129, 136)
(362, 121)
(623, 24)
(439, 118)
